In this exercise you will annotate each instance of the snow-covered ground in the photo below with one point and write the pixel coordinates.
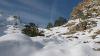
(55, 42)
(14, 43)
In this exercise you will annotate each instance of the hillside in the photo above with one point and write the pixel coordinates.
(81, 34)
(79, 37)
(83, 27)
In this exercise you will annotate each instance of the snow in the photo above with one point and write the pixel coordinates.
(61, 47)
(55, 31)
(17, 44)
(97, 38)
(64, 48)
(10, 18)
(83, 50)
(54, 43)
(98, 17)
(11, 29)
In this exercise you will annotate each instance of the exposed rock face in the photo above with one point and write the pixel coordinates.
(85, 15)
(83, 26)
(87, 7)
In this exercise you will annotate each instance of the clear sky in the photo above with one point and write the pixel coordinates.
(39, 11)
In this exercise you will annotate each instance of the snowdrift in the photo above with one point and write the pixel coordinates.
(61, 47)
(17, 45)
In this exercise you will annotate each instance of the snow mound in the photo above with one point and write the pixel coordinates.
(82, 50)
(64, 48)
(17, 45)
(58, 46)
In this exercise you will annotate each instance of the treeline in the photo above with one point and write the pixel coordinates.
(31, 29)
(58, 22)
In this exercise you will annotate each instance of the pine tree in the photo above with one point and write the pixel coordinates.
(60, 21)
(31, 30)
(50, 25)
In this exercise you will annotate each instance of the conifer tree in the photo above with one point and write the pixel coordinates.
(60, 21)
(50, 25)
(31, 30)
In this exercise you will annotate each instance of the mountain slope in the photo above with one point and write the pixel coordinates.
(80, 29)
(79, 37)
(14, 43)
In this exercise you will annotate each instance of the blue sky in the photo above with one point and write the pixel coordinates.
(39, 11)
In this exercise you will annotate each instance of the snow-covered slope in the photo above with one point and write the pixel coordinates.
(54, 43)
(58, 43)
(66, 40)
(14, 43)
